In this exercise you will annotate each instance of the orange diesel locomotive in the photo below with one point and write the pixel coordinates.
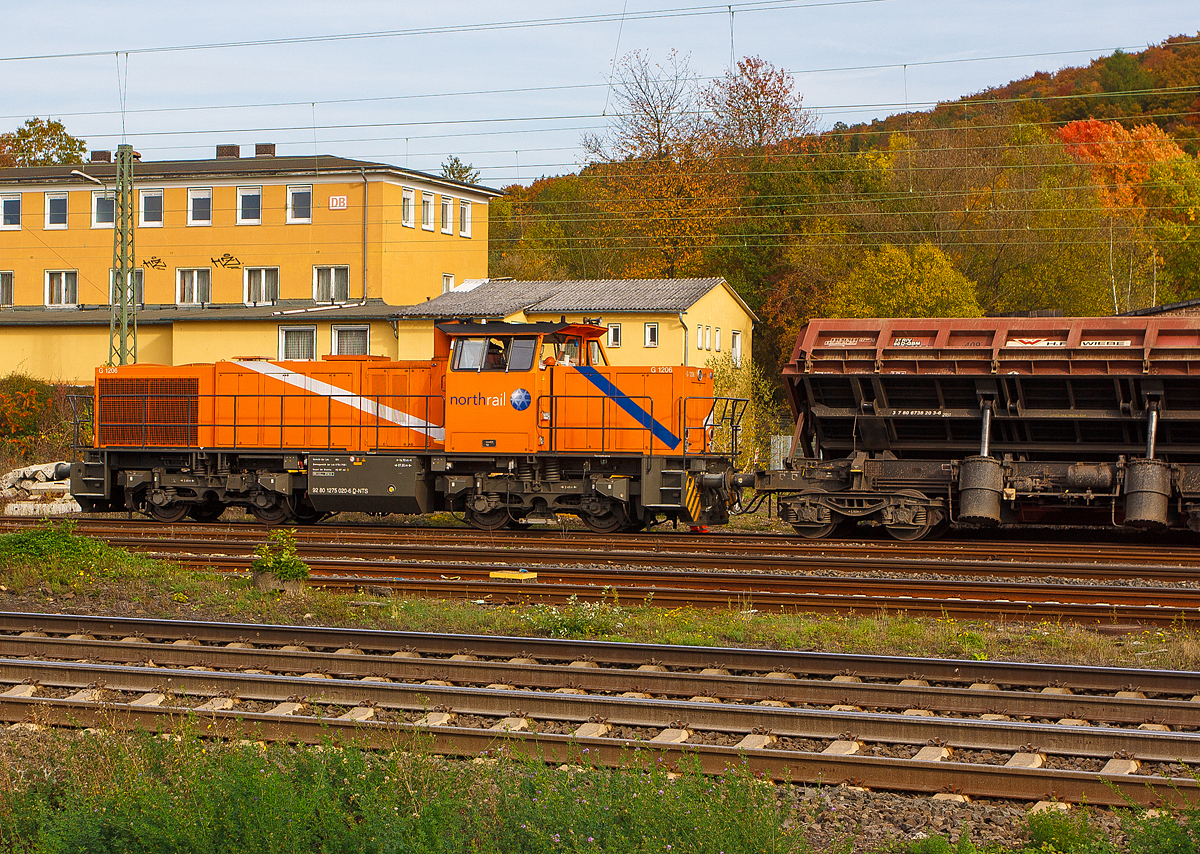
(507, 424)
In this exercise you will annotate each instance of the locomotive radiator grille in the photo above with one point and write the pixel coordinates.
(148, 412)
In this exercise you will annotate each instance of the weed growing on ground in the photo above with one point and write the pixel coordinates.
(139, 793)
(278, 556)
(575, 619)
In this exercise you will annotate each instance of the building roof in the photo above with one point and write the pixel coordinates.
(1187, 307)
(504, 297)
(285, 311)
(228, 167)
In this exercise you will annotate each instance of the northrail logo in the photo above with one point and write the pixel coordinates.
(519, 400)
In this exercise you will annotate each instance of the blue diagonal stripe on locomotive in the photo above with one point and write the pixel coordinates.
(623, 400)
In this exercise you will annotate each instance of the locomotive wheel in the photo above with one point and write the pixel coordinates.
(604, 523)
(489, 520)
(276, 514)
(166, 513)
(208, 512)
(306, 514)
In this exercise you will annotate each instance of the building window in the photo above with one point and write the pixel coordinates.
(651, 334)
(262, 285)
(708, 338)
(56, 210)
(104, 209)
(331, 284)
(249, 201)
(735, 348)
(299, 203)
(447, 282)
(195, 286)
(614, 335)
(717, 339)
(447, 215)
(427, 211)
(699, 337)
(6, 288)
(464, 219)
(139, 291)
(62, 287)
(351, 340)
(152, 209)
(406, 207)
(10, 211)
(298, 343)
(200, 206)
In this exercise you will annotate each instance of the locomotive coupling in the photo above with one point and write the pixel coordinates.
(744, 480)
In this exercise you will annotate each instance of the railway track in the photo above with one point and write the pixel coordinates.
(976, 729)
(1104, 560)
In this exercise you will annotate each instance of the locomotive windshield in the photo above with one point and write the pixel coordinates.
(571, 350)
(494, 354)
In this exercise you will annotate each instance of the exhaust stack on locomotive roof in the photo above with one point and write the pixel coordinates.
(919, 423)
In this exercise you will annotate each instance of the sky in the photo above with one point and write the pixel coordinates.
(508, 87)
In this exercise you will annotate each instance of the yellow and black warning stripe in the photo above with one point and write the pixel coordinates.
(691, 498)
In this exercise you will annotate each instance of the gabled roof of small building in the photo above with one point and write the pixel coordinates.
(504, 297)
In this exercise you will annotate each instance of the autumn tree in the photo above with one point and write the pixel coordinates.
(755, 108)
(40, 142)
(898, 282)
(1150, 189)
(653, 110)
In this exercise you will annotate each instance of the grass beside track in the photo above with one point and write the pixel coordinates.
(50, 568)
(140, 794)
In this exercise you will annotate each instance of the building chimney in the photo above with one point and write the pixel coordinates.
(229, 152)
(264, 149)
(101, 157)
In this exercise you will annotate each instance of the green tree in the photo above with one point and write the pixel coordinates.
(40, 142)
(894, 282)
(456, 170)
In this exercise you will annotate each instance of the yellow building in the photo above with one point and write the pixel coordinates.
(650, 321)
(269, 256)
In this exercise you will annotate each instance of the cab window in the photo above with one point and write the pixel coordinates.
(494, 354)
(596, 354)
(521, 354)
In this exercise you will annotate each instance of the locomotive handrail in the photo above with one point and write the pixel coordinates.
(646, 403)
(187, 425)
(82, 413)
(719, 413)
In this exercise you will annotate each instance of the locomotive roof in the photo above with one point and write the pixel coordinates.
(500, 328)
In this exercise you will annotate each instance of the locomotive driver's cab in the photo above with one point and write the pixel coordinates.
(503, 379)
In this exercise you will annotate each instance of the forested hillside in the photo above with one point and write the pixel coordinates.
(1077, 191)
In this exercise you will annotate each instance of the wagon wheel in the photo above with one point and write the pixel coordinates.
(208, 512)
(488, 520)
(918, 529)
(166, 513)
(276, 514)
(823, 525)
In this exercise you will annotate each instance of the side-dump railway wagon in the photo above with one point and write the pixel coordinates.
(918, 424)
(507, 423)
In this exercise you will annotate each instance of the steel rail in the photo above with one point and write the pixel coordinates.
(792, 766)
(666, 544)
(1101, 742)
(541, 557)
(672, 685)
(1183, 611)
(623, 654)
